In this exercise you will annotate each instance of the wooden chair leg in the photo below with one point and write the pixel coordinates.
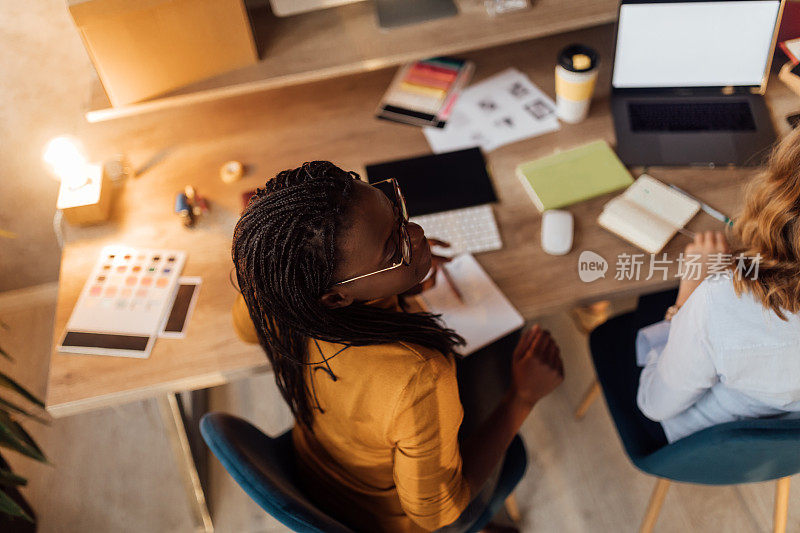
(589, 397)
(512, 509)
(588, 317)
(781, 504)
(654, 507)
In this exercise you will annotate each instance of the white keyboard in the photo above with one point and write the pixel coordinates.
(468, 230)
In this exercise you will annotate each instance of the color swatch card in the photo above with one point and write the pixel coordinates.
(124, 303)
(502, 109)
(423, 93)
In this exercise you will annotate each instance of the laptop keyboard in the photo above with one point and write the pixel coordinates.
(691, 116)
(468, 230)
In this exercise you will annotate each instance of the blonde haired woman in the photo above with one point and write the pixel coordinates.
(729, 346)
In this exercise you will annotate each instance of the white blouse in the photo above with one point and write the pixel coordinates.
(722, 358)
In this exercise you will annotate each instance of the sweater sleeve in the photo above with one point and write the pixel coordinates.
(684, 371)
(427, 460)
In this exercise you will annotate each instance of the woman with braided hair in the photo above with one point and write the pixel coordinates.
(323, 262)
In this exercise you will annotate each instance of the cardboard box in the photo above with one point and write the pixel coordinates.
(142, 48)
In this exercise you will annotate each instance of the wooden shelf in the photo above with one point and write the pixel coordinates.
(347, 39)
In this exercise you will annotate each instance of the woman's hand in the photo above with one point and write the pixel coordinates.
(705, 245)
(536, 367)
(436, 263)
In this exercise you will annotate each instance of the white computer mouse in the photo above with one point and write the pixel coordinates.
(557, 228)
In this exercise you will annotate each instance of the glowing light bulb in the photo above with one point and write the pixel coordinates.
(67, 161)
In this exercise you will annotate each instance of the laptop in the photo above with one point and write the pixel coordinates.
(688, 81)
(450, 195)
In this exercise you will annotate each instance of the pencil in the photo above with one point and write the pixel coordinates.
(449, 279)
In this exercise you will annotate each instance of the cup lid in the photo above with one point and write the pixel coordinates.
(578, 58)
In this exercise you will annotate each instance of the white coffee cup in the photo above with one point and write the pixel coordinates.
(576, 77)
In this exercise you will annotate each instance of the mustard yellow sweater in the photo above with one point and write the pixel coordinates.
(384, 454)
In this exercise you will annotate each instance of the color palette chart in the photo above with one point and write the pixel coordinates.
(124, 303)
(423, 93)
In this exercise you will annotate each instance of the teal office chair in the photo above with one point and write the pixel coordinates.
(264, 468)
(744, 451)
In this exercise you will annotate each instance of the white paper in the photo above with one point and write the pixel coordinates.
(485, 314)
(794, 47)
(500, 110)
(662, 201)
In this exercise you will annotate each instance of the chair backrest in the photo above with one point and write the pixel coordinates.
(736, 452)
(264, 468)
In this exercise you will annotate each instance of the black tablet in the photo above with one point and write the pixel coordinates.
(439, 182)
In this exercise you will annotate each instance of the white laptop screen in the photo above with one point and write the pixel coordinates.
(694, 44)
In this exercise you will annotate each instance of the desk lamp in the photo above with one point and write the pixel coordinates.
(85, 193)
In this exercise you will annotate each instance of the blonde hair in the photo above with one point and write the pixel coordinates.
(769, 228)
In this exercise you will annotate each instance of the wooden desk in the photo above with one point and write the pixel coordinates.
(333, 120)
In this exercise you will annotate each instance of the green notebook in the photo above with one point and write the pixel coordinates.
(568, 177)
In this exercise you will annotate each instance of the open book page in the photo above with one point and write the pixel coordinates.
(485, 314)
(636, 224)
(662, 201)
(648, 214)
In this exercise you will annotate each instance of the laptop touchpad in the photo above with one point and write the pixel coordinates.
(688, 149)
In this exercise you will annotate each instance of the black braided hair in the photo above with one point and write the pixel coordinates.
(284, 253)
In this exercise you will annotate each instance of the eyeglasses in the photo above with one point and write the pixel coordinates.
(403, 255)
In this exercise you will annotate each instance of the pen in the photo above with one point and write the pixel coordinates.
(705, 207)
(452, 284)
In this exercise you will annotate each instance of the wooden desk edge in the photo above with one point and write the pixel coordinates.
(214, 379)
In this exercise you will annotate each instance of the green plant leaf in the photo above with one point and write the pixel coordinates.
(14, 437)
(10, 479)
(11, 508)
(9, 441)
(9, 383)
(9, 406)
(29, 440)
(5, 354)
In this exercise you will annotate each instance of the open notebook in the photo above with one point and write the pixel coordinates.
(648, 214)
(485, 314)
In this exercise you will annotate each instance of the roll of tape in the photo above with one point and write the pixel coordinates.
(231, 171)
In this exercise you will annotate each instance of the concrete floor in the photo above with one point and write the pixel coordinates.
(113, 470)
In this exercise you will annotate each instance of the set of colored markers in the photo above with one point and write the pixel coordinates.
(423, 93)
